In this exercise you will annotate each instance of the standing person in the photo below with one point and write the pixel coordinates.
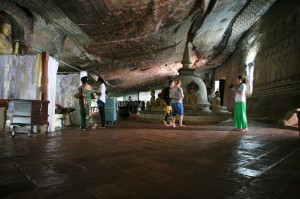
(166, 95)
(168, 113)
(167, 102)
(85, 99)
(240, 117)
(101, 100)
(176, 95)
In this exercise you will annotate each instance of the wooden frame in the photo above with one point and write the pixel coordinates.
(4, 104)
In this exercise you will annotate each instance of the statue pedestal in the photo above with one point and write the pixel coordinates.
(219, 109)
(193, 114)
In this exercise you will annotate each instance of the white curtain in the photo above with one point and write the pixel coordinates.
(18, 77)
(66, 88)
(52, 70)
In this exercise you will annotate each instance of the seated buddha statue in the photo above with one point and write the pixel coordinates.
(5, 45)
(191, 97)
(152, 99)
(216, 101)
(159, 101)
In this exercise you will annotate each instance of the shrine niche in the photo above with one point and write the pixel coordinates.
(11, 34)
(192, 88)
(21, 24)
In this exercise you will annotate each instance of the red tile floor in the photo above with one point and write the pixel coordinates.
(141, 160)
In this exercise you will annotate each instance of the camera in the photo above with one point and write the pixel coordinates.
(230, 86)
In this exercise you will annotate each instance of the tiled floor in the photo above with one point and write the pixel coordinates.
(141, 160)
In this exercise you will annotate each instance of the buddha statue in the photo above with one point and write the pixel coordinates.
(192, 88)
(216, 101)
(5, 45)
(191, 97)
(152, 99)
(159, 101)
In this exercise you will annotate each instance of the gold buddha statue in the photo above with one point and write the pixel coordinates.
(159, 101)
(192, 88)
(5, 45)
(191, 97)
(216, 101)
(152, 99)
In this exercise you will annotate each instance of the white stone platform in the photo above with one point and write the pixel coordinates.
(191, 116)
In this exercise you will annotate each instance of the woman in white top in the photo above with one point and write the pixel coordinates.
(176, 96)
(240, 117)
(101, 100)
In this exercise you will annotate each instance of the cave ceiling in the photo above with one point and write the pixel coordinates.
(136, 44)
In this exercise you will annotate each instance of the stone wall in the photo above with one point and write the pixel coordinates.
(273, 43)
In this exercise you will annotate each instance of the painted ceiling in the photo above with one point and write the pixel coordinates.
(135, 44)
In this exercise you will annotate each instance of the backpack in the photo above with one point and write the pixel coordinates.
(163, 93)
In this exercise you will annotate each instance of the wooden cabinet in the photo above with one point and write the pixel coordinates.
(28, 112)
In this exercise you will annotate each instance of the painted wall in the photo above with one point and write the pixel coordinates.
(273, 43)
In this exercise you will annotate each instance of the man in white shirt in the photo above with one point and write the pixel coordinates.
(101, 100)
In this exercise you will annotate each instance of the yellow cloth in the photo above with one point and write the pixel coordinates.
(152, 101)
(167, 109)
(39, 68)
(159, 102)
(216, 101)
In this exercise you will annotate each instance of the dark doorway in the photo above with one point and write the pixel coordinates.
(221, 89)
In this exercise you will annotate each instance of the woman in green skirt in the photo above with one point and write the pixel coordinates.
(240, 116)
(85, 99)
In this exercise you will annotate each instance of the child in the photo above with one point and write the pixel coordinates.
(168, 112)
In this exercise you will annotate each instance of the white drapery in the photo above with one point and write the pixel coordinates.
(18, 77)
(52, 70)
(66, 88)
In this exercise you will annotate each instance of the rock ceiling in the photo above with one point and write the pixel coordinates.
(134, 44)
